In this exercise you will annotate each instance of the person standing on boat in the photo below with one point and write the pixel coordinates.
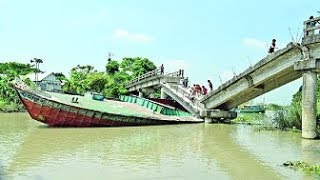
(210, 85)
(161, 69)
(272, 46)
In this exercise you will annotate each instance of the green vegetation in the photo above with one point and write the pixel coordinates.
(250, 118)
(110, 83)
(9, 101)
(283, 117)
(305, 167)
(290, 117)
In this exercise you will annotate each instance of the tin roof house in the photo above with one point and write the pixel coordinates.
(46, 81)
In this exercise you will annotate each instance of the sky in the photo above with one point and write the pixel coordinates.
(209, 39)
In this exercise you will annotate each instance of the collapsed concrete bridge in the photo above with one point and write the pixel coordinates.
(277, 69)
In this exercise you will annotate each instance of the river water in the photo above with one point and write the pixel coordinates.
(31, 150)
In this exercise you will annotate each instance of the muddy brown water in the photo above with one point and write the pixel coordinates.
(31, 150)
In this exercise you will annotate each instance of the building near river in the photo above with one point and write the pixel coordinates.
(46, 81)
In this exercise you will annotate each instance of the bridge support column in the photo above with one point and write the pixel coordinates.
(150, 92)
(208, 120)
(163, 95)
(309, 108)
(151, 95)
(308, 66)
(140, 94)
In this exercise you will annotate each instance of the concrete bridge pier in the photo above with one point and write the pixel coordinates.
(309, 106)
(309, 101)
(140, 93)
(150, 92)
(163, 95)
(208, 120)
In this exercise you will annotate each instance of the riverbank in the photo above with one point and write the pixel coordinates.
(11, 108)
(312, 169)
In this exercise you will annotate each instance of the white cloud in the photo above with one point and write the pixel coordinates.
(254, 43)
(135, 37)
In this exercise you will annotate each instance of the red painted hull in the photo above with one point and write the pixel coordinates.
(54, 113)
(57, 117)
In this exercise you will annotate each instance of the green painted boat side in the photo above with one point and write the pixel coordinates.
(253, 109)
(154, 106)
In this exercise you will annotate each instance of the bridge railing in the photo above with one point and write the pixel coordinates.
(153, 73)
(312, 27)
(176, 73)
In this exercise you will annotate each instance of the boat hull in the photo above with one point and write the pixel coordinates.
(54, 113)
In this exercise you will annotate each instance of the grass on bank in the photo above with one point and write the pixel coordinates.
(305, 167)
(278, 118)
(250, 118)
(11, 107)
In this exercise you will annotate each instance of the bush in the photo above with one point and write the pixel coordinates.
(11, 107)
(289, 117)
(252, 118)
(280, 119)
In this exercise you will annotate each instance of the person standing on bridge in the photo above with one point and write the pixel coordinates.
(210, 85)
(161, 69)
(185, 82)
(204, 90)
(272, 46)
(181, 72)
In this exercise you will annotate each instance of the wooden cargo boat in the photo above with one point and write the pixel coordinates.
(56, 109)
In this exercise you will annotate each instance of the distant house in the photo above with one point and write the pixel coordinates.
(46, 81)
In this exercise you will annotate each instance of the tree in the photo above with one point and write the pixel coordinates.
(97, 81)
(116, 86)
(7, 93)
(137, 66)
(77, 83)
(83, 69)
(15, 68)
(127, 63)
(112, 67)
(142, 66)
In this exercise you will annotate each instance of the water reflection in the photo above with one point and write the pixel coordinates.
(222, 147)
(195, 151)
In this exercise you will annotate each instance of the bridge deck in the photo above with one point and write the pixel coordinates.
(273, 71)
